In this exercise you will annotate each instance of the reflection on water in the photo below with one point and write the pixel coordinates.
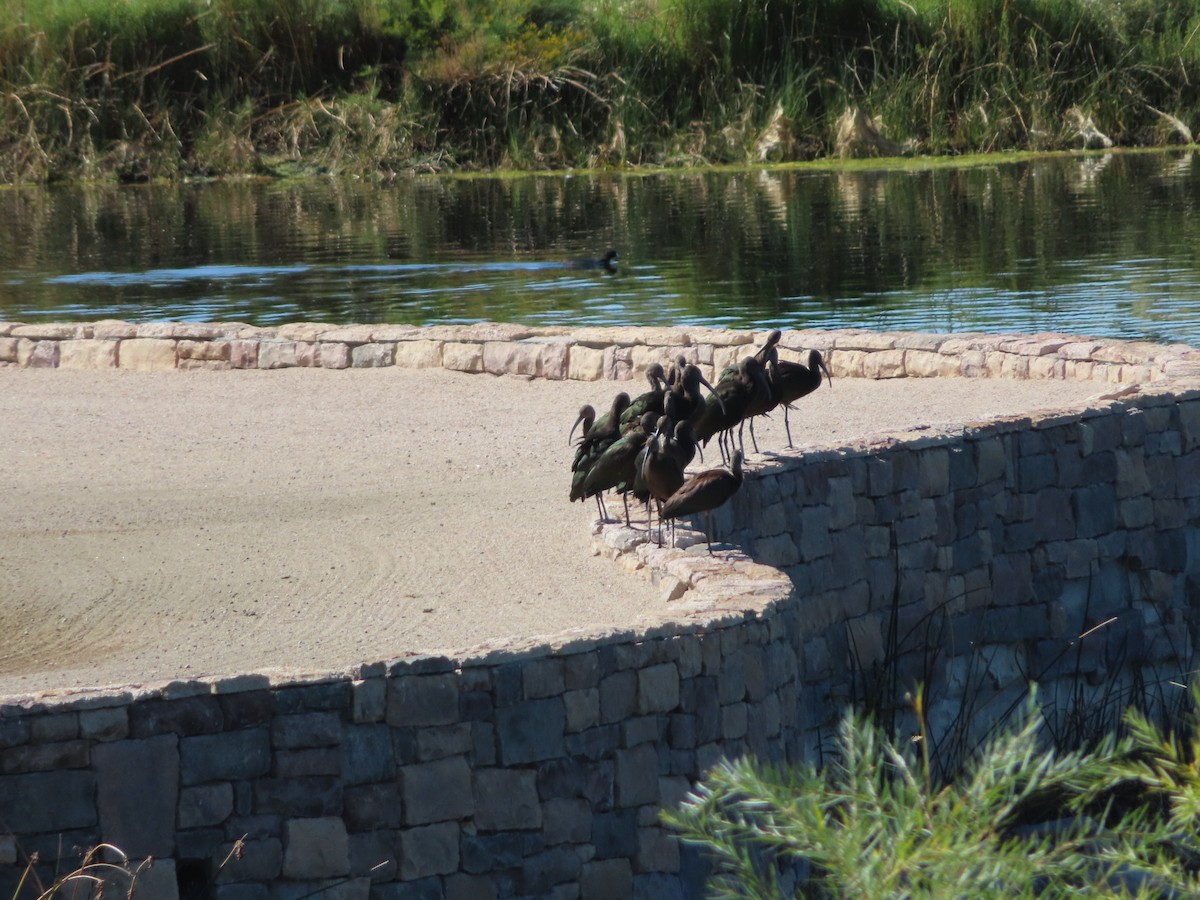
(1101, 245)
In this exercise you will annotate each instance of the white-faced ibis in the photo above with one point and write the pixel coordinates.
(795, 380)
(704, 493)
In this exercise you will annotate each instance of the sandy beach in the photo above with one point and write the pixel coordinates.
(178, 524)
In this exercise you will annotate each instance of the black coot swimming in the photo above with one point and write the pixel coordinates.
(605, 263)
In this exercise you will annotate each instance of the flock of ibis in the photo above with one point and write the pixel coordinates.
(643, 446)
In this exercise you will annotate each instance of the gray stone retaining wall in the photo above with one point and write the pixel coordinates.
(968, 560)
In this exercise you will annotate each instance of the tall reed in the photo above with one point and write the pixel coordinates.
(147, 88)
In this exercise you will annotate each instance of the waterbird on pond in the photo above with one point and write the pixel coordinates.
(605, 262)
(705, 492)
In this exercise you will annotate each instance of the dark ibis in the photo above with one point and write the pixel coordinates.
(705, 492)
(652, 400)
(615, 468)
(734, 394)
(598, 435)
(796, 380)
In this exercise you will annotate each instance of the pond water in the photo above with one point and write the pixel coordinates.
(1096, 245)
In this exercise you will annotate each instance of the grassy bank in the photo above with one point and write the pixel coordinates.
(136, 89)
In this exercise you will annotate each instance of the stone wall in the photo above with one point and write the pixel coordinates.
(971, 561)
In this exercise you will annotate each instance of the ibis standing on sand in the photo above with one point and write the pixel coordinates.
(704, 493)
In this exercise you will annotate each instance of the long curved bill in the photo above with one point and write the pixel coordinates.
(711, 390)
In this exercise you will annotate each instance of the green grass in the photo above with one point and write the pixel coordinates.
(136, 89)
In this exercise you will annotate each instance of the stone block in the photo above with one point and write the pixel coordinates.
(462, 357)
(567, 820)
(313, 761)
(252, 860)
(542, 678)
(311, 796)
(332, 355)
(49, 801)
(431, 850)
(8, 349)
(883, 364)
(316, 729)
(606, 879)
(658, 689)
(373, 355)
(530, 731)
(243, 354)
(137, 794)
(157, 881)
(184, 717)
(440, 741)
(146, 355)
(492, 852)
(39, 354)
(506, 800)
(109, 724)
(229, 756)
(585, 363)
(369, 700)
(367, 755)
(437, 791)
(618, 696)
(209, 804)
(88, 355)
(470, 887)
(369, 807)
(277, 355)
(637, 776)
(423, 700)
(614, 834)
(315, 848)
(582, 709)
(542, 871)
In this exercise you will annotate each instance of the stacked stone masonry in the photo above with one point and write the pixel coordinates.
(970, 561)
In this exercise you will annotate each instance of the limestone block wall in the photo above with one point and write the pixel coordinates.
(971, 561)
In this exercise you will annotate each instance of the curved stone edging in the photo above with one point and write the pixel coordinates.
(585, 354)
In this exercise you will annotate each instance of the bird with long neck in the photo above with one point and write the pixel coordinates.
(705, 492)
(735, 393)
(598, 435)
(662, 463)
(796, 380)
(685, 402)
(652, 400)
(615, 468)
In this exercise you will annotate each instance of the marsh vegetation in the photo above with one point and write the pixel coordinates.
(143, 89)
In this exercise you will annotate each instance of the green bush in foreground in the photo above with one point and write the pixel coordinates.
(872, 825)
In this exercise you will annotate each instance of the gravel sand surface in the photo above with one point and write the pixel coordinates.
(180, 524)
